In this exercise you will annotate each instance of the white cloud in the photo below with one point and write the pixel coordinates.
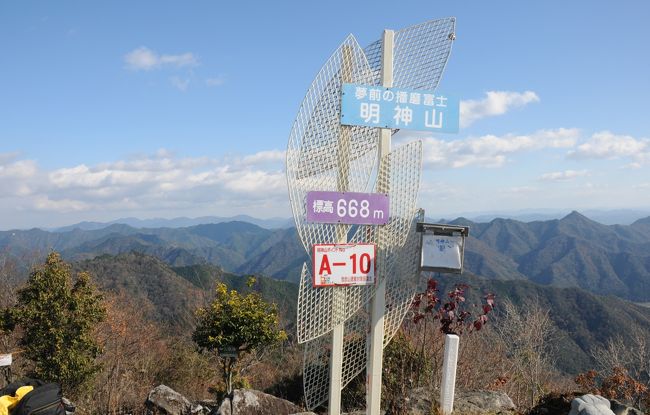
(491, 150)
(144, 59)
(180, 83)
(520, 190)
(78, 176)
(6, 158)
(495, 103)
(265, 157)
(158, 182)
(216, 81)
(61, 205)
(19, 169)
(606, 145)
(17, 177)
(563, 175)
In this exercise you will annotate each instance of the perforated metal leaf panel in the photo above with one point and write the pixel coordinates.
(324, 155)
(316, 376)
(420, 54)
(401, 286)
(400, 173)
(401, 289)
(320, 309)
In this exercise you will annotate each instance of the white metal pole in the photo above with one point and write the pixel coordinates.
(449, 374)
(336, 357)
(378, 305)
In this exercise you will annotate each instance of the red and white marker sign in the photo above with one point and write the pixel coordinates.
(344, 264)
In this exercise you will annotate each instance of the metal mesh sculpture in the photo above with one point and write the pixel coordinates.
(324, 155)
(400, 293)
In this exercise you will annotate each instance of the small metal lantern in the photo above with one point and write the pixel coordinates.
(442, 247)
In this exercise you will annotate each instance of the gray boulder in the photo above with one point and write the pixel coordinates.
(420, 401)
(252, 402)
(483, 402)
(621, 409)
(590, 405)
(166, 401)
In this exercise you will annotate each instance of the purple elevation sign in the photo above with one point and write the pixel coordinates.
(348, 207)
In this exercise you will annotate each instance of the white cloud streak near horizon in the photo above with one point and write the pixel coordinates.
(491, 150)
(160, 181)
(563, 175)
(145, 59)
(255, 184)
(607, 145)
(495, 103)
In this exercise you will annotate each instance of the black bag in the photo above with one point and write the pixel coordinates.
(45, 399)
(11, 388)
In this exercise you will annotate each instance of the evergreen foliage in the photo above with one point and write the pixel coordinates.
(242, 323)
(58, 317)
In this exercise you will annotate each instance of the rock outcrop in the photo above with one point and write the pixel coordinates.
(252, 402)
(421, 401)
(621, 409)
(164, 400)
(483, 402)
(590, 405)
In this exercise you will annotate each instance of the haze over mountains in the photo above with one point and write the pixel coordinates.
(180, 222)
(606, 217)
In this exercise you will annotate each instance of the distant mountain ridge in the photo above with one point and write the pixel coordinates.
(179, 222)
(606, 217)
(570, 252)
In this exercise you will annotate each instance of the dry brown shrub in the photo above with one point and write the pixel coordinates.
(132, 348)
(10, 282)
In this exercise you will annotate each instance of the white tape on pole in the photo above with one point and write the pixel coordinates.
(449, 374)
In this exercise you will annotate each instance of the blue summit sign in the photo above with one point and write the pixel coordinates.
(398, 108)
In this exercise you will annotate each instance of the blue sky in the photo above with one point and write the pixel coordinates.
(165, 109)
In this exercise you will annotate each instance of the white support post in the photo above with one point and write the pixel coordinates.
(336, 369)
(378, 305)
(449, 374)
(338, 300)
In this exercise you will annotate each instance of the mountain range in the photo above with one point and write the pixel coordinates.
(581, 270)
(607, 217)
(570, 252)
(179, 222)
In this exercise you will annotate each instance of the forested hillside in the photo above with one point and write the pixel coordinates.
(171, 295)
(584, 321)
